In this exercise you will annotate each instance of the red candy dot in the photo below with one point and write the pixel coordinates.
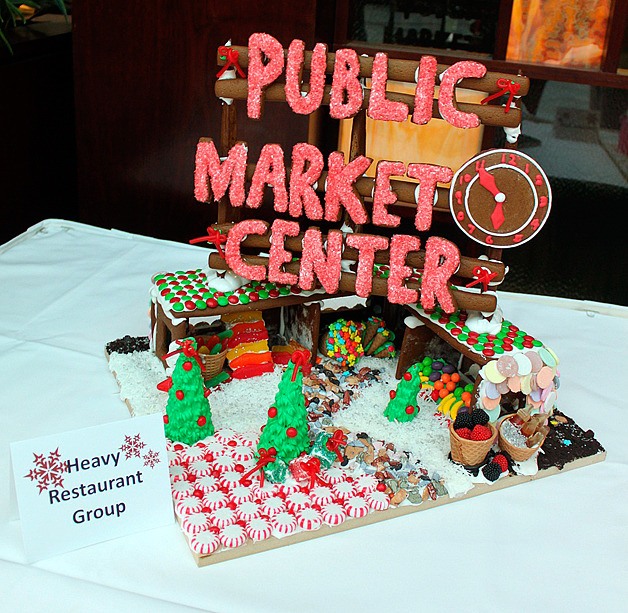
(187, 366)
(232, 443)
(212, 303)
(201, 421)
(166, 421)
(233, 299)
(381, 487)
(291, 432)
(409, 410)
(189, 305)
(239, 468)
(393, 393)
(407, 376)
(254, 296)
(179, 394)
(272, 412)
(273, 293)
(178, 446)
(198, 494)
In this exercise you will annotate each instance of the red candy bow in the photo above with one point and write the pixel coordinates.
(507, 87)
(299, 359)
(266, 456)
(337, 439)
(232, 56)
(482, 275)
(312, 468)
(188, 350)
(214, 237)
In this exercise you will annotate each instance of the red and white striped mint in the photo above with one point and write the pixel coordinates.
(175, 446)
(309, 519)
(182, 489)
(250, 440)
(205, 542)
(223, 517)
(232, 536)
(343, 490)
(196, 522)
(248, 510)
(224, 435)
(333, 475)
(223, 463)
(208, 483)
(215, 500)
(241, 453)
(240, 493)
(230, 478)
(273, 505)
(177, 472)
(297, 501)
(289, 487)
(356, 506)
(283, 523)
(187, 505)
(333, 514)
(321, 495)
(366, 483)
(193, 453)
(263, 492)
(259, 529)
(200, 468)
(216, 448)
(174, 458)
(378, 501)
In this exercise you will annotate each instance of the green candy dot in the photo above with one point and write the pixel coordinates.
(159, 277)
(192, 275)
(455, 318)
(463, 337)
(498, 349)
(465, 329)
(458, 392)
(178, 272)
(270, 286)
(468, 387)
(207, 295)
(263, 294)
(427, 361)
(483, 338)
(222, 300)
(427, 370)
(170, 296)
(244, 299)
(502, 335)
(506, 323)
(478, 346)
(201, 304)
(177, 306)
(284, 291)
(537, 343)
(227, 294)
(518, 344)
(450, 326)
(434, 316)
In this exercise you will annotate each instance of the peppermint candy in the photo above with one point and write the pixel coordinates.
(309, 519)
(333, 514)
(333, 475)
(232, 536)
(284, 523)
(223, 517)
(224, 435)
(200, 468)
(205, 542)
(297, 501)
(215, 500)
(366, 483)
(321, 495)
(259, 529)
(289, 487)
(230, 479)
(240, 493)
(248, 510)
(196, 522)
(343, 490)
(181, 489)
(273, 505)
(216, 448)
(224, 463)
(378, 501)
(356, 507)
(208, 483)
(241, 453)
(263, 492)
(173, 458)
(177, 472)
(187, 505)
(191, 454)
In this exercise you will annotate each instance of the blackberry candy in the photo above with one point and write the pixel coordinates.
(463, 420)
(492, 471)
(479, 417)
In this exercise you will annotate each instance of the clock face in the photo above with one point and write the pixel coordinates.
(500, 198)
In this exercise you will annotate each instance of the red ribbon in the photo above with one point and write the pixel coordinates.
(299, 359)
(507, 87)
(213, 236)
(312, 468)
(266, 456)
(232, 56)
(337, 439)
(483, 276)
(188, 350)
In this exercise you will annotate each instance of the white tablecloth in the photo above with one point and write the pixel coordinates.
(554, 544)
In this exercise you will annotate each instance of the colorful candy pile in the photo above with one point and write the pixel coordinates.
(248, 352)
(343, 342)
(445, 385)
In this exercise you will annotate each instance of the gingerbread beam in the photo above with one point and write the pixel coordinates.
(464, 300)
(489, 115)
(414, 259)
(400, 70)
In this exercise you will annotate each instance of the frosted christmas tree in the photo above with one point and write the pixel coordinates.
(286, 429)
(402, 405)
(188, 417)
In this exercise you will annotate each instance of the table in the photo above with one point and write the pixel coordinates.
(553, 544)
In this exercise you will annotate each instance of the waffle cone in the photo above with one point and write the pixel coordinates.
(378, 340)
(369, 333)
(470, 453)
(518, 454)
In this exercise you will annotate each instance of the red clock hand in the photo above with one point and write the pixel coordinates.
(487, 181)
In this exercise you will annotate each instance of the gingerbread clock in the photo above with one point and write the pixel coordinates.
(500, 198)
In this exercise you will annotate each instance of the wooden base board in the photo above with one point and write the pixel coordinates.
(250, 548)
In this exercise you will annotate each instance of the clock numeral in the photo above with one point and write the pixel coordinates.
(458, 196)
(460, 216)
(503, 158)
(479, 165)
(543, 201)
(534, 224)
(489, 239)
(538, 180)
(518, 238)
(513, 159)
(527, 169)
(471, 228)
(467, 177)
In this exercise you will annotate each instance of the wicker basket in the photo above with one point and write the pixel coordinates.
(518, 454)
(212, 364)
(470, 453)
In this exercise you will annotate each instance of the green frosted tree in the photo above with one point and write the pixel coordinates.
(287, 429)
(402, 405)
(188, 417)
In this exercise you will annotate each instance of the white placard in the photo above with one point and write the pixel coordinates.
(91, 485)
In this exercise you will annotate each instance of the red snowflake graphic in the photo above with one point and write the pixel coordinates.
(48, 471)
(132, 446)
(151, 458)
